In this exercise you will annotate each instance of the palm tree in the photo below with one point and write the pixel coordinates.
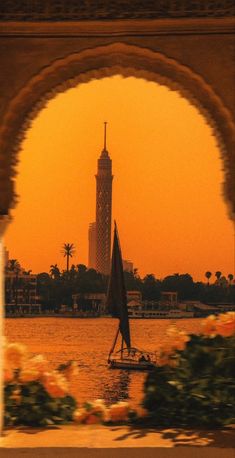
(230, 277)
(81, 269)
(68, 251)
(218, 275)
(208, 276)
(54, 271)
(13, 265)
(27, 272)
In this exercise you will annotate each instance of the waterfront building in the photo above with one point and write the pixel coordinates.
(169, 299)
(92, 303)
(92, 246)
(104, 180)
(134, 296)
(21, 292)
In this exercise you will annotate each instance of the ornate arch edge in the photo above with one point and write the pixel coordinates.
(104, 61)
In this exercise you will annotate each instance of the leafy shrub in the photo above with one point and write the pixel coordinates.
(196, 385)
(34, 394)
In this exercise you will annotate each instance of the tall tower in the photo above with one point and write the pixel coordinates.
(104, 180)
(92, 246)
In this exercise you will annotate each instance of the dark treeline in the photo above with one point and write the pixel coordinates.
(57, 287)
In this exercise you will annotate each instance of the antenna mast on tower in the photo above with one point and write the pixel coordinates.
(105, 124)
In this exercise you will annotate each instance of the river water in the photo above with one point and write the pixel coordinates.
(88, 341)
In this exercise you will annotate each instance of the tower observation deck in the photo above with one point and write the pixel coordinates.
(104, 180)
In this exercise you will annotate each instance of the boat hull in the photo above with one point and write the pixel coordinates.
(131, 365)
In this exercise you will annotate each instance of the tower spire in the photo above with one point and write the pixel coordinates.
(105, 124)
(104, 180)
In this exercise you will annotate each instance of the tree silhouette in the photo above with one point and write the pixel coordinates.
(218, 275)
(68, 251)
(13, 265)
(208, 276)
(54, 271)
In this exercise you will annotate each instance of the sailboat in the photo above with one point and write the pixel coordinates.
(126, 356)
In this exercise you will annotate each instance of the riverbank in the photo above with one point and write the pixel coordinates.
(87, 315)
(174, 314)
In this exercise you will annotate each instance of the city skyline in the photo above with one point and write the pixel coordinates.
(170, 211)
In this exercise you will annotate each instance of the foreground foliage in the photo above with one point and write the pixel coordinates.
(35, 395)
(195, 385)
(31, 405)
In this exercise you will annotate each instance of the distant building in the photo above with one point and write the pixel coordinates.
(128, 265)
(134, 296)
(169, 299)
(89, 302)
(104, 180)
(92, 246)
(21, 292)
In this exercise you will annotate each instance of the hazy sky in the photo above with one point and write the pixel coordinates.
(167, 196)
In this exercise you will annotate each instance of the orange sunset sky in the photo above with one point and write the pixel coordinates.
(167, 194)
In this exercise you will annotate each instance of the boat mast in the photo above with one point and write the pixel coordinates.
(122, 348)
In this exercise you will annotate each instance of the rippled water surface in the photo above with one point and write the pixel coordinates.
(88, 342)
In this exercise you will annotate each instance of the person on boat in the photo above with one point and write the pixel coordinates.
(142, 359)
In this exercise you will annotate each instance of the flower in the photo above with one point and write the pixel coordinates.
(8, 375)
(15, 354)
(55, 384)
(39, 363)
(92, 413)
(177, 340)
(92, 419)
(225, 325)
(119, 412)
(99, 409)
(28, 375)
(33, 369)
(209, 326)
(80, 415)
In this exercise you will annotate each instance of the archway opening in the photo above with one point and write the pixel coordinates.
(167, 198)
(165, 159)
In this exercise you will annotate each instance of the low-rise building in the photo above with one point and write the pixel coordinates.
(89, 302)
(169, 299)
(134, 296)
(21, 292)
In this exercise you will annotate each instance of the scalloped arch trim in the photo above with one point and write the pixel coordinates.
(96, 63)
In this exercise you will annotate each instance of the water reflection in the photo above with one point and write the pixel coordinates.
(117, 387)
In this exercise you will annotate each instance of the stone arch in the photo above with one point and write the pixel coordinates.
(108, 60)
